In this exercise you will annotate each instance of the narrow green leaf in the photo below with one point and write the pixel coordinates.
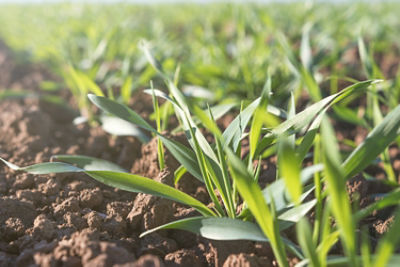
(222, 229)
(183, 155)
(187, 122)
(277, 190)
(349, 115)
(145, 47)
(120, 127)
(374, 144)
(257, 122)
(10, 94)
(337, 190)
(44, 168)
(216, 228)
(90, 84)
(119, 110)
(305, 239)
(252, 195)
(160, 147)
(126, 89)
(289, 169)
(305, 48)
(295, 213)
(136, 183)
(207, 160)
(327, 243)
(207, 172)
(189, 125)
(208, 122)
(90, 163)
(220, 110)
(309, 137)
(178, 174)
(233, 133)
(311, 84)
(304, 118)
(340, 261)
(365, 59)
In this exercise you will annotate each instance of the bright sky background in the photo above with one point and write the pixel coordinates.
(169, 1)
(187, 1)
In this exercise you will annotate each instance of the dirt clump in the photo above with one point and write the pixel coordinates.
(183, 257)
(246, 260)
(21, 211)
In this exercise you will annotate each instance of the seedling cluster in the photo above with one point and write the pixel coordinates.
(312, 167)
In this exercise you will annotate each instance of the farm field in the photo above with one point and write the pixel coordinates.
(200, 134)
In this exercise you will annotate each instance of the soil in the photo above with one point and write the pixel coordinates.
(72, 220)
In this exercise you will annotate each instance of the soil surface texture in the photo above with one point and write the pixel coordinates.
(72, 220)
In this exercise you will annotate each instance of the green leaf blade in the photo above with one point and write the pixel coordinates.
(90, 163)
(375, 143)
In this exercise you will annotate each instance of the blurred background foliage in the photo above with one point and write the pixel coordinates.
(226, 49)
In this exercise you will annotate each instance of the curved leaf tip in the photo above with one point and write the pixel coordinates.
(91, 96)
(10, 165)
(216, 228)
